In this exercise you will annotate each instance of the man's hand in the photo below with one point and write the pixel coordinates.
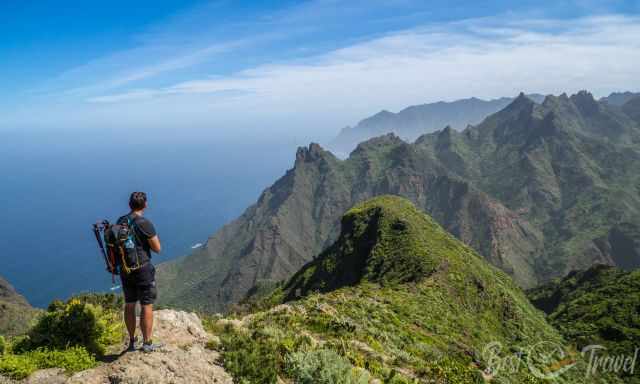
(154, 244)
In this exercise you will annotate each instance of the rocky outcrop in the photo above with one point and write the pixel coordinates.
(184, 359)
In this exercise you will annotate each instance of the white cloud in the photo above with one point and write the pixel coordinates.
(487, 58)
(484, 58)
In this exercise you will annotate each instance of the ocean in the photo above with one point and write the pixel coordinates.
(55, 186)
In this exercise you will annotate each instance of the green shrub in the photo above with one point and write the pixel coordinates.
(323, 367)
(75, 323)
(72, 360)
(108, 301)
(3, 345)
(249, 359)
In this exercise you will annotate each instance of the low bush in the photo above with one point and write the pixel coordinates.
(248, 359)
(323, 367)
(3, 345)
(108, 301)
(75, 323)
(20, 366)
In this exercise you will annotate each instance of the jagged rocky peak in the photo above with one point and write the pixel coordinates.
(311, 153)
(518, 105)
(388, 139)
(447, 132)
(585, 102)
(551, 101)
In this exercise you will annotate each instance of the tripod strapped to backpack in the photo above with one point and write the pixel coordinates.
(99, 230)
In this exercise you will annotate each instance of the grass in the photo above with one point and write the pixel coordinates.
(397, 299)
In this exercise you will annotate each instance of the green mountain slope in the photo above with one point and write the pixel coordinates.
(15, 311)
(632, 108)
(299, 216)
(599, 306)
(399, 300)
(569, 166)
(596, 306)
(537, 189)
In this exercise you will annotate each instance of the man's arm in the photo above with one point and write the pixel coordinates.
(154, 244)
(149, 231)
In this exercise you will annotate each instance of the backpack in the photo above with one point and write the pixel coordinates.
(122, 251)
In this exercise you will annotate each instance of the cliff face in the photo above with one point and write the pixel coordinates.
(535, 189)
(8, 294)
(15, 311)
(299, 216)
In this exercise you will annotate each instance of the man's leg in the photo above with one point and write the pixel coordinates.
(130, 319)
(148, 295)
(146, 322)
(130, 322)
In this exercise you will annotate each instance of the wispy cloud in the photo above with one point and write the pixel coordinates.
(198, 36)
(481, 57)
(268, 70)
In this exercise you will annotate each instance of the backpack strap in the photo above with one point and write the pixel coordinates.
(133, 227)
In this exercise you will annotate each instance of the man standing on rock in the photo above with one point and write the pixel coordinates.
(139, 283)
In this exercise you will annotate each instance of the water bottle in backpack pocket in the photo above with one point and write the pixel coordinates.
(121, 240)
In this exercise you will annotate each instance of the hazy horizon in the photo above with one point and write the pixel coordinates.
(85, 88)
(296, 68)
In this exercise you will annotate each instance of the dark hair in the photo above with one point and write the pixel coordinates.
(137, 201)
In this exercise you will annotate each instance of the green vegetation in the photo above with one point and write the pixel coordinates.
(251, 358)
(382, 239)
(19, 366)
(75, 323)
(323, 366)
(537, 189)
(414, 306)
(597, 306)
(68, 335)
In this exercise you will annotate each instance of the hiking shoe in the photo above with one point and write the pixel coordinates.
(151, 347)
(132, 345)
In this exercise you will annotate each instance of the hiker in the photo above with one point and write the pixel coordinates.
(138, 282)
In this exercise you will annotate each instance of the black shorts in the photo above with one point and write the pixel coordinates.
(140, 285)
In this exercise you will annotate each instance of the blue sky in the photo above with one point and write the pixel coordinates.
(281, 66)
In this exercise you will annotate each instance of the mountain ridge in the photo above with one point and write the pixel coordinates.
(413, 121)
(395, 299)
(536, 189)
